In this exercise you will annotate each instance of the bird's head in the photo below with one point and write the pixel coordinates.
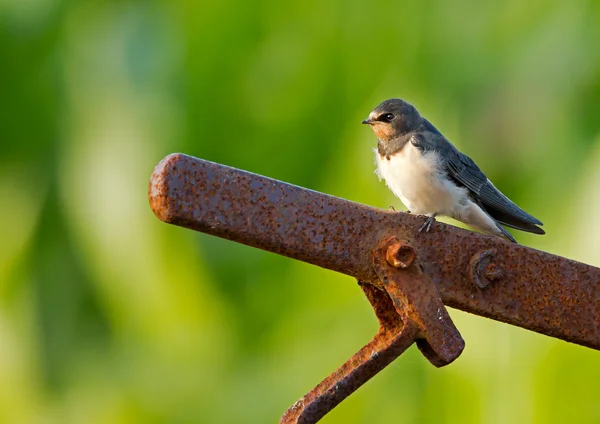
(392, 119)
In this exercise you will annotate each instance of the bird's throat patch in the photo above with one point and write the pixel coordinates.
(383, 131)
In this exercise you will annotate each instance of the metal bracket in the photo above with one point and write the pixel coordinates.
(409, 309)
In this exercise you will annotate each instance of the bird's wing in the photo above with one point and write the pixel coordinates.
(465, 172)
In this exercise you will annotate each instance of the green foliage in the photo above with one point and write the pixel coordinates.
(109, 316)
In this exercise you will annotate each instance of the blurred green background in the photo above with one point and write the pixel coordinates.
(109, 316)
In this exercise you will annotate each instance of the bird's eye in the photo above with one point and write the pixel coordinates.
(387, 117)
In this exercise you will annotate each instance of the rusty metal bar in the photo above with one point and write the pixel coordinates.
(403, 279)
(392, 339)
(478, 274)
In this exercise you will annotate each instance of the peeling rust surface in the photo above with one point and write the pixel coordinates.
(531, 289)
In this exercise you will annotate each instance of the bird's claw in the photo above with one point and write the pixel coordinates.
(427, 225)
(391, 208)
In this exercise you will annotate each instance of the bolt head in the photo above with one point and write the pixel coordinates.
(493, 272)
(400, 255)
(483, 269)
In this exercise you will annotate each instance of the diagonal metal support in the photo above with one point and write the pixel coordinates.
(409, 309)
(486, 276)
(392, 339)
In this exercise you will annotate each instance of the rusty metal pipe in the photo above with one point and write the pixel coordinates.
(479, 274)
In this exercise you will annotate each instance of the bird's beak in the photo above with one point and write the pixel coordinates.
(367, 121)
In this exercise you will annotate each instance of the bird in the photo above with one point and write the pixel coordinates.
(433, 178)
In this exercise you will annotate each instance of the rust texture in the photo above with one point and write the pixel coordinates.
(400, 255)
(483, 270)
(519, 285)
(408, 309)
(406, 276)
(417, 301)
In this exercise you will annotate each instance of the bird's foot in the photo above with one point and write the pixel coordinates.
(428, 225)
(391, 208)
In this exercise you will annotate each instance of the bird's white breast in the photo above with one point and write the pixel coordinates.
(416, 178)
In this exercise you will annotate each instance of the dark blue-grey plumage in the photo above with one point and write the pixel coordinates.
(465, 172)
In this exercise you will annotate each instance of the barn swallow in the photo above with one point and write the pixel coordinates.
(431, 177)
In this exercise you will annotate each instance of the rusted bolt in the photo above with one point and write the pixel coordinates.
(483, 270)
(493, 272)
(400, 255)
